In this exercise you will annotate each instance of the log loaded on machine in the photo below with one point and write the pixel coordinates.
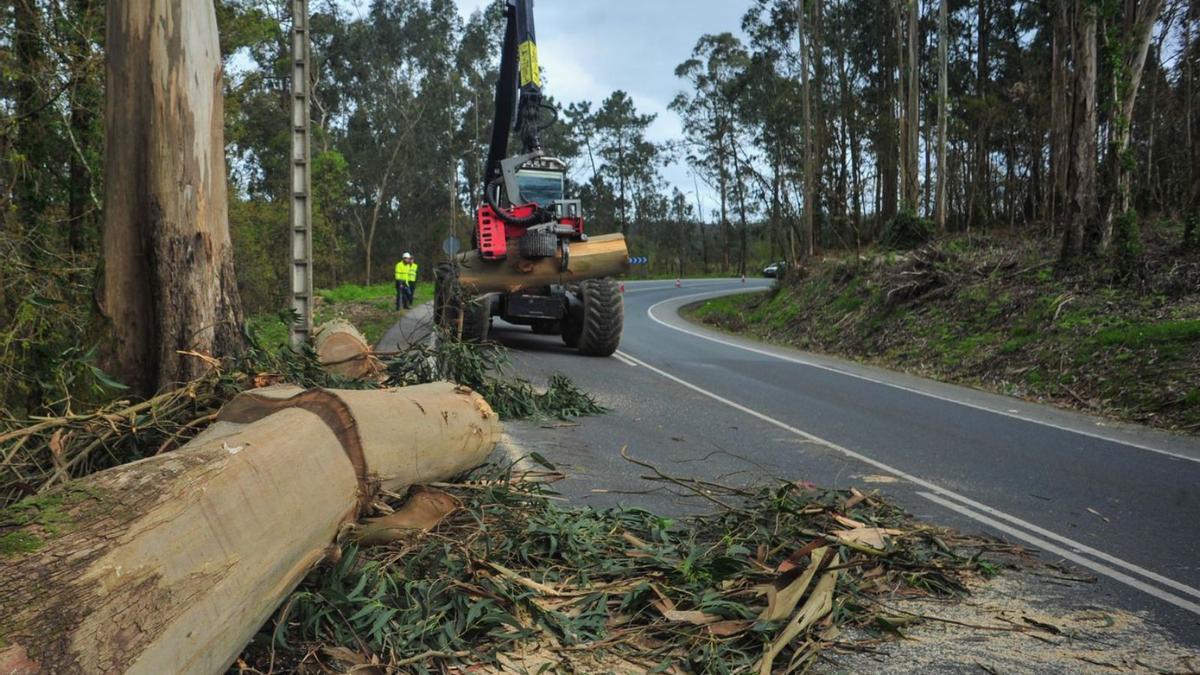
(531, 262)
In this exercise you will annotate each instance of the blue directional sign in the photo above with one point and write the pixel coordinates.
(638, 260)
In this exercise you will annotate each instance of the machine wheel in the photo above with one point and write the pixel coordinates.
(477, 320)
(444, 282)
(449, 304)
(538, 245)
(603, 317)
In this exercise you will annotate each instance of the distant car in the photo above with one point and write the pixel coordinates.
(774, 270)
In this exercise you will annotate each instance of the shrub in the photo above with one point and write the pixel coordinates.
(1127, 243)
(906, 231)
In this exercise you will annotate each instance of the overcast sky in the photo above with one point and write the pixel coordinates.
(590, 48)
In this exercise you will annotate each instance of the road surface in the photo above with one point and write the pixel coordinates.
(1119, 502)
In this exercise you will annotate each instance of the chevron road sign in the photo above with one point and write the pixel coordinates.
(638, 260)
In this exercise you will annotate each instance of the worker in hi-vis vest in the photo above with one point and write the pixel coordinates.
(406, 281)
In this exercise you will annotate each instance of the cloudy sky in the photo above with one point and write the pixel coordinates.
(590, 48)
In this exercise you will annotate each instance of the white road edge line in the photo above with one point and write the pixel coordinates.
(624, 359)
(867, 378)
(1036, 541)
(1069, 555)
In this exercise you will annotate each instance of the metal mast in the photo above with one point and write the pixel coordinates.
(301, 185)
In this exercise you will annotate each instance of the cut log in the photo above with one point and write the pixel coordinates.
(342, 350)
(600, 256)
(170, 564)
(422, 511)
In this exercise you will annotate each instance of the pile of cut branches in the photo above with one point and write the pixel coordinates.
(514, 579)
(39, 453)
(485, 368)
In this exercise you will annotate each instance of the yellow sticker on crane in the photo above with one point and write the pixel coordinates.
(529, 63)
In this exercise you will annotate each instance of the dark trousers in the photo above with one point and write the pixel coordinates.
(404, 293)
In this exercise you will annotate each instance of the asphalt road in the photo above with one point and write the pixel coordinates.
(1116, 501)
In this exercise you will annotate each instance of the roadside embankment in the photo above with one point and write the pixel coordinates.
(997, 314)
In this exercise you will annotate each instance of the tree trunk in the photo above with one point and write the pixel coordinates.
(981, 185)
(901, 103)
(85, 100)
(939, 208)
(1139, 19)
(600, 256)
(30, 194)
(807, 236)
(170, 564)
(913, 182)
(1081, 178)
(1061, 84)
(1192, 126)
(169, 279)
(341, 349)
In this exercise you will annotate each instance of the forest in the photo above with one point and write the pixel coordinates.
(817, 126)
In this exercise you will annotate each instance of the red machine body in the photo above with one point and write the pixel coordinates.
(493, 233)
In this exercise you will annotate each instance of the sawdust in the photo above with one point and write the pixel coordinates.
(1021, 624)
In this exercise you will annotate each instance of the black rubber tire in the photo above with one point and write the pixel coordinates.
(603, 317)
(449, 305)
(538, 245)
(477, 320)
(444, 283)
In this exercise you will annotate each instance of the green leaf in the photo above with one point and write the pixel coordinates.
(106, 380)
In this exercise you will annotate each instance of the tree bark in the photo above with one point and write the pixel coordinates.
(913, 182)
(169, 279)
(1081, 174)
(170, 564)
(981, 184)
(33, 124)
(939, 209)
(1060, 114)
(85, 99)
(1134, 42)
(342, 349)
(808, 233)
(600, 256)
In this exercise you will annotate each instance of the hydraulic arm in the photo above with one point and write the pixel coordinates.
(522, 269)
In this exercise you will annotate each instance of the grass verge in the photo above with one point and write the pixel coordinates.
(370, 308)
(996, 314)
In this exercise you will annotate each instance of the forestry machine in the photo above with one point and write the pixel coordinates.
(525, 229)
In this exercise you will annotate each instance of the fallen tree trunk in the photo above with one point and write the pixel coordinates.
(170, 564)
(600, 256)
(343, 350)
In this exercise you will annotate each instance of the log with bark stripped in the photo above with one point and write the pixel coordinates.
(601, 256)
(170, 564)
(343, 350)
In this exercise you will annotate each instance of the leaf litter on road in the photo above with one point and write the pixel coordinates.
(513, 579)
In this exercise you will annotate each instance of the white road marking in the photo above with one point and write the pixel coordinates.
(1069, 555)
(867, 378)
(624, 359)
(518, 456)
(644, 287)
(1097, 567)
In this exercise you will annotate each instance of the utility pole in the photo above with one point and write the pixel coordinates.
(301, 185)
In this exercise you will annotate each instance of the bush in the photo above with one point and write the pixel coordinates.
(1191, 231)
(906, 231)
(1127, 243)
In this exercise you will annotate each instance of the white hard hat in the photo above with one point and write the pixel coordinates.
(406, 255)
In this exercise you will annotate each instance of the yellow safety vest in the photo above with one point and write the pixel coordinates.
(406, 271)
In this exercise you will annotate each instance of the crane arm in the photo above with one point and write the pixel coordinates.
(519, 89)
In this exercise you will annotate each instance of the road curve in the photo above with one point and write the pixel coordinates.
(1120, 501)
